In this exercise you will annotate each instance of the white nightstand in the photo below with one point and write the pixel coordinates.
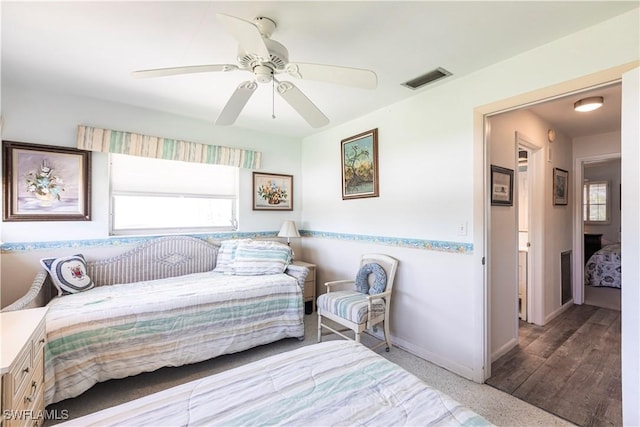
(309, 283)
(22, 359)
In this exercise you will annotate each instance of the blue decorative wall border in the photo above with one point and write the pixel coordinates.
(432, 245)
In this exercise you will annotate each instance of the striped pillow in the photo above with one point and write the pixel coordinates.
(227, 254)
(261, 257)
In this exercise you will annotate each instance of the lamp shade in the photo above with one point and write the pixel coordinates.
(288, 230)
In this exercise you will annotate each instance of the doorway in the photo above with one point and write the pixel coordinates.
(601, 226)
(524, 213)
(559, 232)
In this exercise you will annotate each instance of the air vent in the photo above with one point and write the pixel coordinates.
(427, 78)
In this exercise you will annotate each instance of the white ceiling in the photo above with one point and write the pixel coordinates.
(90, 48)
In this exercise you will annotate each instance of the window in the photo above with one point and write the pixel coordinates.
(151, 196)
(595, 198)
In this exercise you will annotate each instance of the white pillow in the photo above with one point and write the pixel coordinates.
(69, 274)
(260, 257)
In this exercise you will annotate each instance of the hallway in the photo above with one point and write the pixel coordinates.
(571, 367)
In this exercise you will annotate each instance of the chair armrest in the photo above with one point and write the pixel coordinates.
(370, 299)
(329, 285)
(381, 295)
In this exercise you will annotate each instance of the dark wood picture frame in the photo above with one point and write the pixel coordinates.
(45, 183)
(560, 187)
(501, 186)
(272, 192)
(359, 158)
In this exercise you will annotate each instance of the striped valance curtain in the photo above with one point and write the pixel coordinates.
(113, 141)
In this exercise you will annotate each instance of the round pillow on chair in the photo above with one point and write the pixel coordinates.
(379, 279)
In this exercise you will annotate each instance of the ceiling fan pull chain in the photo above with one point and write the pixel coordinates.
(273, 98)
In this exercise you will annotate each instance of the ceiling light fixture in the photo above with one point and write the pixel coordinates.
(589, 104)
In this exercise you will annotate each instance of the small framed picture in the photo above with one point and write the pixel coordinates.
(560, 186)
(45, 183)
(359, 157)
(501, 186)
(272, 192)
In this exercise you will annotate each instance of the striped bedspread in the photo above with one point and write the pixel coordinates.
(331, 383)
(121, 330)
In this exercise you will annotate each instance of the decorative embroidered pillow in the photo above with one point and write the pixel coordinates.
(379, 279)
(227, 254)
(69, 274)
(261, 257)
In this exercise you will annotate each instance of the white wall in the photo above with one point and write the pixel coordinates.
(429, 181)
(52, 119)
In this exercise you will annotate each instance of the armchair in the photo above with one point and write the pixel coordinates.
(356, 310)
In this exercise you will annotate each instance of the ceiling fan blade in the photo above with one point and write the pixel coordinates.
(246, 33)
(365, 79)
(236, 103)
(302, 104)
(172, 71)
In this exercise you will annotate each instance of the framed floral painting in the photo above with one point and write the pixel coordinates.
(359, 155)
(45, 183)
(272, 192)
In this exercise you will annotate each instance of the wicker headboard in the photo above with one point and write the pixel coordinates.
(154, 259)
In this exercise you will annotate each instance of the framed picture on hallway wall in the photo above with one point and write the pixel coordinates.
(560, 186)
(501, 186)
(45, 183)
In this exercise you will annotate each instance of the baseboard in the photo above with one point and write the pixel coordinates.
(456, 368)
(549, 317)
(504, 349)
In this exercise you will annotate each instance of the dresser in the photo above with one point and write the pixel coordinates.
(309, 286)
(22, 360)
(592, 243)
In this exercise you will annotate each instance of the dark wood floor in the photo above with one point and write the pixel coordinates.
(570, 367)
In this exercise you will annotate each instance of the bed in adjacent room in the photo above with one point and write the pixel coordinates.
(604, 268)
(330, 383)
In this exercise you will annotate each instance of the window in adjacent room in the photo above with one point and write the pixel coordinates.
(152, 196)
(596, 202)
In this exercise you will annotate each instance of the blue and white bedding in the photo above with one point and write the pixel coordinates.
(128, 329)
(331, 383)
(604, 268)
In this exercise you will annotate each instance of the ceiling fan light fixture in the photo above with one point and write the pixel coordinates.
(588, 104)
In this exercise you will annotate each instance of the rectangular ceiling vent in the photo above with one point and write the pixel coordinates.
(430, 77)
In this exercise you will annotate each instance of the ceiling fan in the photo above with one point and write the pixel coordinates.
(264, 58)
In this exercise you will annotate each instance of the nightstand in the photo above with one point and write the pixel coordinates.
(22, 360)
(309, 285)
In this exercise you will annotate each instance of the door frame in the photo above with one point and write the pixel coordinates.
(535, 272)
(578, 222)
(482, 203)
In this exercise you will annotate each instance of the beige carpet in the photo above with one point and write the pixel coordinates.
(498, 407)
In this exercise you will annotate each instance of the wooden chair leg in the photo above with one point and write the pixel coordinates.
(319, 328)
(387, 335)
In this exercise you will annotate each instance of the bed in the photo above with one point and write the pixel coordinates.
(167, 301)
(604, 268)
(121, 330)
(330, 383)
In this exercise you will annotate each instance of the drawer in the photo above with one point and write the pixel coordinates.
(38, 342)
(312, 275)
(308, 289)
(21, 373)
